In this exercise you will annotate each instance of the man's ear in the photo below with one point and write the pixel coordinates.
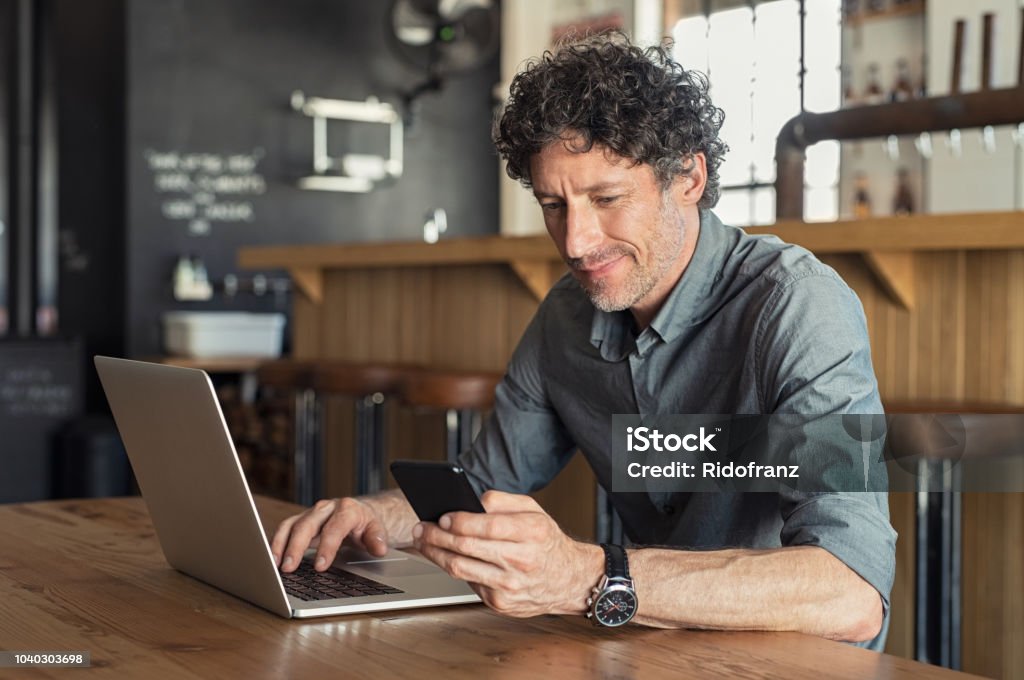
(687, 189)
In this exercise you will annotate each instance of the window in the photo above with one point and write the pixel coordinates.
(751, 54)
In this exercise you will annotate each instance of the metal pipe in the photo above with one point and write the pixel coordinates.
(935, 114)
(986, 50)
(958, 56)
(1020, 52)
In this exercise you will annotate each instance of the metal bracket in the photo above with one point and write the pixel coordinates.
(352, 172)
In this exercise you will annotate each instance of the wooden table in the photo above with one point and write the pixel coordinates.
(89, 576)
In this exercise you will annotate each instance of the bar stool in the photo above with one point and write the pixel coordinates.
(369, 385)
(463, 395)
(939, 533)
(295, 376)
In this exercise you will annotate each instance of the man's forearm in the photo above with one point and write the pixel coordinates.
(394, 511)
(801, 588)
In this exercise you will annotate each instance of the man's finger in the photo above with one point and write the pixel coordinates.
(502, 501)
(482, 549)
(280, 540)
(496, 527)
(303, 532)
(333, 532)
(462, 567)
(375, 539)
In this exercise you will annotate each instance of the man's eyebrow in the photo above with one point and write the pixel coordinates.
(593, 188)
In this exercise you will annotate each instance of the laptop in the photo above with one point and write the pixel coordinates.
(187, 468)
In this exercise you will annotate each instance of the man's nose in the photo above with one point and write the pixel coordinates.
(582, 231)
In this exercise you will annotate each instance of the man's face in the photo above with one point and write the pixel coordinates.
(619, 232)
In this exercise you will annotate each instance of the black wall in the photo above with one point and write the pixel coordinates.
(216, 77)
(89, 54)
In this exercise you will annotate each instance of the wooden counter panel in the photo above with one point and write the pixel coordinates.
(993, 584)
(464, 317)
(900, 642)
(963, 341)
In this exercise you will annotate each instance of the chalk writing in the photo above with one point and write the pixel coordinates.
(202, 188)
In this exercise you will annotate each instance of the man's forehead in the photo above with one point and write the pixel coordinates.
(594, 169)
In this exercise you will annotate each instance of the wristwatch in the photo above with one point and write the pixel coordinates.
(613, 602)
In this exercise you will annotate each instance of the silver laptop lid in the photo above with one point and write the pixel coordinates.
(190, 477)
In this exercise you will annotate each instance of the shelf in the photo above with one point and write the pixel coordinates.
(533, 259)
(910, 9)
(957, 231)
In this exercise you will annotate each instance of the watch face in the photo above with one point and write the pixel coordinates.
(615, 606)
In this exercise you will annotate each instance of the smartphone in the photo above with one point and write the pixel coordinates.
(435, 488)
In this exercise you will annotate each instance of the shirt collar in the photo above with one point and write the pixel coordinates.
(687, 304)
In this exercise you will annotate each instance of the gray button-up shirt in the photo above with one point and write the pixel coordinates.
(754, 326)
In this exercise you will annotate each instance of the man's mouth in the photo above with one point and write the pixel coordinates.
(602, 268)
(599, 268)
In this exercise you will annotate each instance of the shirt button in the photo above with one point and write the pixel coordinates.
(668, 509)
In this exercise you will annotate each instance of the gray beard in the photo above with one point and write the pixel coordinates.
(669, 241)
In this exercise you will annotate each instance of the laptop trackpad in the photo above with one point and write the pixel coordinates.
(393, 566)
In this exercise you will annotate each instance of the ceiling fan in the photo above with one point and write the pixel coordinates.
(443, 38)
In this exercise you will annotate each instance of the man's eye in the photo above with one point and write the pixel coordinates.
(607, 200)
(550, 207)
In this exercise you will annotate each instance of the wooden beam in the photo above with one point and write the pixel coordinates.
(895, 271)
(310, 281)
(968, 231)
(535, 274)
(402, 253)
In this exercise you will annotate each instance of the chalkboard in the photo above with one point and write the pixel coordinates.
(214, 149)
(40, 393)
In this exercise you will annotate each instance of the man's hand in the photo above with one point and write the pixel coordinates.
(325, 526)
(515, 556)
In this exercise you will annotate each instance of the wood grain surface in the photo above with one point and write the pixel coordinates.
(89, 576)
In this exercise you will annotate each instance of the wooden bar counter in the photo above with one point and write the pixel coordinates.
(944, 299)
(88, 576)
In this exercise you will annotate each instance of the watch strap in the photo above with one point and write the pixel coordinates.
(616, 564)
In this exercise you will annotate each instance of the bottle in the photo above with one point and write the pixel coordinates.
(922, 86)
(874, 93)
(184, 275)
(849, 95)
(902, 89)
(903, 199)
(861, 197)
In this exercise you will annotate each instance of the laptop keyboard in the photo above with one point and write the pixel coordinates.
(308, 584)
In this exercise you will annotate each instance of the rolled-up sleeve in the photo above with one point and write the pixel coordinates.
(853, 527)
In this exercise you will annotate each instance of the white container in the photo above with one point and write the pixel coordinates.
(218, 334)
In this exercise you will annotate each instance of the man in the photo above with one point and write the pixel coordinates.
(666, 310)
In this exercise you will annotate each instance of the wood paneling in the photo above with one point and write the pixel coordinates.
(901, 618)
(993, 584)
(963, 341)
